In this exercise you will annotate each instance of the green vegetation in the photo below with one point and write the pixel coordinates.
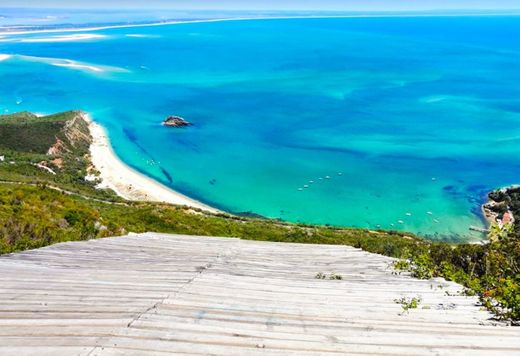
(39, 207)
(26, 141)
(38, 216)
(332, 276)
(408, 303)
(491, 271)
(20, 129)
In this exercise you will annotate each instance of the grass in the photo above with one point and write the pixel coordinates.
(408, 303)
(332, 276)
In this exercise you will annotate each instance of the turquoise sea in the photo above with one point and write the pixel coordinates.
(399, 122)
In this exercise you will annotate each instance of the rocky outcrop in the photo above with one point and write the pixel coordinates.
(58, 148)
(502, 205)
(77, 131)
(176, 121)
(73, 137)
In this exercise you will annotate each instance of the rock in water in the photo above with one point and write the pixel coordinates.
(176, 121)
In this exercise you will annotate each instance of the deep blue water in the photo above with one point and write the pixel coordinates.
(412, 119)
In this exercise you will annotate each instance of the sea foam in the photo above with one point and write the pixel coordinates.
(67, 63)
(72, 64)
(65, 38)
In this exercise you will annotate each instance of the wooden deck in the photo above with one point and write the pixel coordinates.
(154, 294)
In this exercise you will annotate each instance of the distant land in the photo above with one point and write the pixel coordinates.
(42, 19)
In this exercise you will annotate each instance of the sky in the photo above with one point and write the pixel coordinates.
(324, 5)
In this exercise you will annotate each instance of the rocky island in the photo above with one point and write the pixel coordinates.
(176, 121)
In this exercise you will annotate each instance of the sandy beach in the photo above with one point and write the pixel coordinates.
(127, 182)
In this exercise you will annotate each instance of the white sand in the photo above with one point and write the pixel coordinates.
(70, 64)
(3, 57)
(76, 65)
(127, 182)
(65, 38)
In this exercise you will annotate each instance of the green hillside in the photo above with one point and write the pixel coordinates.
(25, 132)
(25, 142)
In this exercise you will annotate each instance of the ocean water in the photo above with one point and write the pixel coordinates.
(393, 123)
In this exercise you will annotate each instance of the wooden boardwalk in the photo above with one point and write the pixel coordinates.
(154, 294)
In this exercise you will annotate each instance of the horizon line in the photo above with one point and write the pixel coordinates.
(271, 10)
(4, 30)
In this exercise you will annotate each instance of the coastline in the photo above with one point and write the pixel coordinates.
(489, 209)
(5, 30)
(126, 181)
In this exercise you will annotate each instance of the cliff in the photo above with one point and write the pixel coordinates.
(54, 134)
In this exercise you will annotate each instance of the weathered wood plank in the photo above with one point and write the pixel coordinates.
(156, 293)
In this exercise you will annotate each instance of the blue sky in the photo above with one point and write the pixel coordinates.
(346, 5)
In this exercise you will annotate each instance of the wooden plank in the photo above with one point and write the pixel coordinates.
(156, 293)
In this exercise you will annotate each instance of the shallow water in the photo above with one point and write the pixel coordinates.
(412, 119)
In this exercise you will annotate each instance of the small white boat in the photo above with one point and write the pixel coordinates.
(408, 214)
(429, 213)
(327, 177)
(400, 221)
(306, 186)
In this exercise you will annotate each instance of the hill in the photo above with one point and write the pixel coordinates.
(25, 132)
(51, 149)
(45, 199)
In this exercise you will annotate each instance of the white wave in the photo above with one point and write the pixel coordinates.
(65, 38)
(71, 64)
(67, 63)
(136, 35)
(433, 99)
(4, 57)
